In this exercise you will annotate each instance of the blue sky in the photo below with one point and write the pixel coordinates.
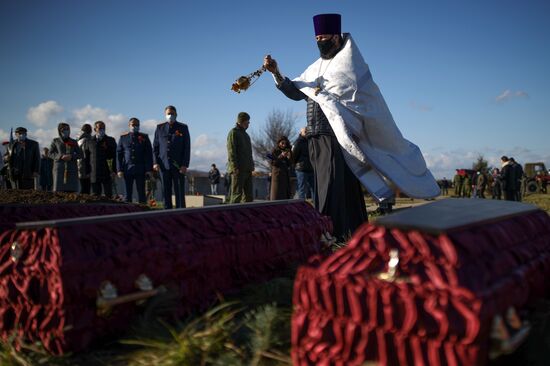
(461, 78)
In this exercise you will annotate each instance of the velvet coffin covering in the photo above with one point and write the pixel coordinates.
(50, 282)
(460, 265)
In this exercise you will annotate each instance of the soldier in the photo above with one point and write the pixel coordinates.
(171, 155)
(24, 160)
(134, 160)
(102, 161)
(46, 171)
(240, 163)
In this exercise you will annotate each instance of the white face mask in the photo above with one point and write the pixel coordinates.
(170, 117)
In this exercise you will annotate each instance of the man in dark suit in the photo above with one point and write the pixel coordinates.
(24, 160)
(171, 155)
(102, 161)
(134, 160)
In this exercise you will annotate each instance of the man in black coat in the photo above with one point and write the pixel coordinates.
(214, 178)
(102, 161)
(518, 171)
(46, 171)
(508, 179)
(24, 160)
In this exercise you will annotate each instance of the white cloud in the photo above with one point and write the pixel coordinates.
(509, 94)
(41, 114)
(206, 150)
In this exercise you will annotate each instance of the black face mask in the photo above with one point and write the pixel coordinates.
(326, 48)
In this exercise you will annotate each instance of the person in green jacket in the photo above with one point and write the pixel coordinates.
(240, 163)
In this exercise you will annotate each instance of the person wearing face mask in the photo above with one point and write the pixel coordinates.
(134, 160)
(24, 160)
(102, 161)
(352, 138)
(65, 152)
(171, 155)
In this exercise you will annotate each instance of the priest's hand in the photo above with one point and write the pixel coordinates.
(270, 64)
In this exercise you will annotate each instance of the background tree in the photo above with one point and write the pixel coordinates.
(480, 164)
(278, 123)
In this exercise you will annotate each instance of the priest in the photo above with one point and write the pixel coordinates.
(352, 137)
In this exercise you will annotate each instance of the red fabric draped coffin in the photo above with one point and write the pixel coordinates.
(460, 265)
(51, 279)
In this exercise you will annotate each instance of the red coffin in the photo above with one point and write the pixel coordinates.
(442, 284)
(54, 275)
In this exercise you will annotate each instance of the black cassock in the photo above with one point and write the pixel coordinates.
(338, 192)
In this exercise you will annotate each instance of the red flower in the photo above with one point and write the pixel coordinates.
(140, 139)
(70, 143)
(178, 133)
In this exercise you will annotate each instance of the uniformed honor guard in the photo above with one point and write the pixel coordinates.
(171, 154)
(134, 160)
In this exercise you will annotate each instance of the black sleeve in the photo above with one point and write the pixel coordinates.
(290, 90)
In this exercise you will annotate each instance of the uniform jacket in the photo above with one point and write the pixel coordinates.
(58, 148)
(134, 154)
(102, 158)
(239, 151)
(172, 146)
(24, 160)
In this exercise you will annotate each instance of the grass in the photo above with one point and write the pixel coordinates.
(249, 328)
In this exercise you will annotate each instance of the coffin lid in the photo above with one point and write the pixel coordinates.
(453, 213)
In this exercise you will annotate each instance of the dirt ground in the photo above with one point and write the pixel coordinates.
(33, 197)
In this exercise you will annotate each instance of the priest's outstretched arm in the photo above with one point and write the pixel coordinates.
(284, 84)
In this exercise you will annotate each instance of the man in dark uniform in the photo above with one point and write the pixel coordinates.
(46, 171)
(171, 155)
(102, 161)
(134, 160)
(24, 160)
(338, 193)
(84, 167)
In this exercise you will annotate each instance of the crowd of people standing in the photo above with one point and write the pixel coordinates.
(506, 182)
